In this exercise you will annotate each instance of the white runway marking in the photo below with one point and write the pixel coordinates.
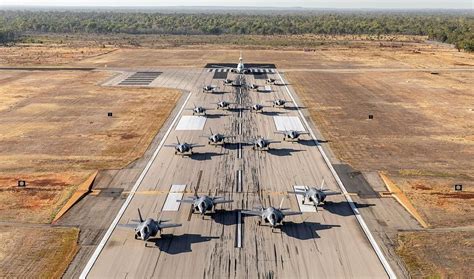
(286, 123)
(308, 207)
(176, 193)
(239, 230)
(188, 122)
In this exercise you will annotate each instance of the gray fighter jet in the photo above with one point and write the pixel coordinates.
(198, 110)
(260, 144)
(227, 81)
(204, 203)
(291, 135)
(256, 107)
(270, 80)
(314, 195)
(216, 138)
(271, 215)
(253, 86)
(279, 102)
(223, 105)
(209, 88)
(183, 148)
(148, 228)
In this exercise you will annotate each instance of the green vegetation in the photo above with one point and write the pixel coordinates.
(453, 28)
(7, 36)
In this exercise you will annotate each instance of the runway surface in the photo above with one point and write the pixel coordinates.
(324, 244)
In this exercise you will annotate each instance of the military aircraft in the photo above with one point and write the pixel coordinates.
(217, 138)
(271, 215)
(291, 134)
(261, 144)
(256, 107)
(228, 81)
(203, 203)
(198, 110)
(314, 195)
(270, 80)
(183, 148)
(148, 228)
(209, 88)
(223, 105)
(253, 86)
(279, 102)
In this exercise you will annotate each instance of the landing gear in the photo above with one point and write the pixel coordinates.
(259, 222)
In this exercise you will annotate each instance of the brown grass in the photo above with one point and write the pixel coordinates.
(36, 252)
(437, 254)
(56, 132)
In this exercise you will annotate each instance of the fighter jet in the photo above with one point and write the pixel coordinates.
(183, 148)
(256, 108)
(316, 196)
(223, 105)
(291, 134)
(271, 215)
(148, 228)
(198, 110)
(279, 102)
(203, 203)
(227, 81)
(217, 138)
(253, 86)
(261, 144)
(270, 80)
(209, 88)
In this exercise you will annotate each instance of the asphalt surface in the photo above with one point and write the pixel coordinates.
(326, 244)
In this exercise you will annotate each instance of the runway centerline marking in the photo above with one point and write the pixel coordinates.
(239, 229)
(356, 212)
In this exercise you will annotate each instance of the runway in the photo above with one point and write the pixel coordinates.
(325, 244)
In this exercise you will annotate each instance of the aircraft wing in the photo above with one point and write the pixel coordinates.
(280, 132)
(197, 145)
(297, 192)
(170, 145)
(331, 193)
(252, 212)
(217, 201)
(289, 213)
(186, 200)
(164, 225)
(130, 226)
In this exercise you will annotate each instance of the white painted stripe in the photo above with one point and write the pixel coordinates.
(356, 212)
(189, 122)
(239, 153)
(240, 128)
(219, 70)
(176, 193)
(239, 230)
(309, 206)
(109, 231)
(239, 181)
(285, 123)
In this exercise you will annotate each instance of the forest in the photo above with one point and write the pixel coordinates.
(449, 27)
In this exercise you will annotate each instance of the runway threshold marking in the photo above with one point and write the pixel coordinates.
(360, 220)
(191, 122)
(300, 198)
(176, 193)
(285, 123)
(125, 205)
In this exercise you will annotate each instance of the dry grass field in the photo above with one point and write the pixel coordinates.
(426, 257)
(56, 132)
(36, 252)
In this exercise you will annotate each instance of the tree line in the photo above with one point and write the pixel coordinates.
(444, 27)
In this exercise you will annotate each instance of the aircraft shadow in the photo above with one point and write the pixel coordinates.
(272, 113)
(234, 109)
(177, 244)
(231, 146)
(204, 156)
(282, 151)
(224, 217)
(305, 230)
(342, 208)
(213, 116)
(294, 108)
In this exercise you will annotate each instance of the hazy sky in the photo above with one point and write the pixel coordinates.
(380, 4)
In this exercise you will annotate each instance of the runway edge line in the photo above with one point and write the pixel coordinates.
(107, 235)
(391, 274)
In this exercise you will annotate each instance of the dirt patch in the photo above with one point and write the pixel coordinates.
(56, 132)
(437, 254)
(36, 252)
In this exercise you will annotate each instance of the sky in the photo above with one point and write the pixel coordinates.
(348, 4)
